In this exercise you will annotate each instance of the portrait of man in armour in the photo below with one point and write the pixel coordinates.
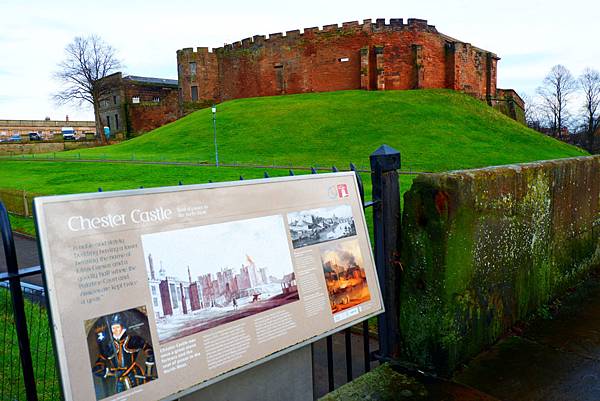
(121, 351)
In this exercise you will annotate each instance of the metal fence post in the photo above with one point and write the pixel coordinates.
(385, 162)
(18, 306)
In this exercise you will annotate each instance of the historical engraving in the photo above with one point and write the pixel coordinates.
(310, 227)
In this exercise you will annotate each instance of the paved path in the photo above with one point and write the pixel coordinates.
(551, 359)
(27, 256)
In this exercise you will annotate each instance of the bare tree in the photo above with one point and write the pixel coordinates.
(533, 113)
(558, 87)
(590, 84)
(88, 59)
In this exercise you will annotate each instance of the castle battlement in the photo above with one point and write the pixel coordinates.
(380, 25)
(190, 51)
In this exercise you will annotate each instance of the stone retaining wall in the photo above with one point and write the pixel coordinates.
(485, 248)
(42, 147)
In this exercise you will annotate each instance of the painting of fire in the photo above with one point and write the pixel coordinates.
(344, 275)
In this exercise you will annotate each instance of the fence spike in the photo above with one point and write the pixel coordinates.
(99, 189)
(352, 167)
(334, 169)
(241, 178)
(266, 175)
(210, 181)
(291, 172)
(141, 187)
(180, 183)
(313, 170)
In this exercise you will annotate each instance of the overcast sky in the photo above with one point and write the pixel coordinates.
(530, 36)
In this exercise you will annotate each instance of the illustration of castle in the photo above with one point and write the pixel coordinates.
(176, 296)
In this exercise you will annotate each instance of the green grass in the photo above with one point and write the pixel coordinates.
(435, 130)
(11, 380)
(22, 224)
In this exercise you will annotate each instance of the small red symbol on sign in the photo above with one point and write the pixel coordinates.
(342, 190)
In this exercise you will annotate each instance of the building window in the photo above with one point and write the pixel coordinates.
(108, 121)
(116, 122)
(155, 301)
(344, 59)
(193, 68)
(156, 99)
(194, 93)
(114, 100)
(135, 99)
(153, 290)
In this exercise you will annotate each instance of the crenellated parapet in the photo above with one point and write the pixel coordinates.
(273, 39)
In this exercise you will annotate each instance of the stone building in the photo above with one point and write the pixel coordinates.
(370, 56)
(138, 104)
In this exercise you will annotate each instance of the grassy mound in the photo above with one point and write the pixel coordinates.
(435, 130)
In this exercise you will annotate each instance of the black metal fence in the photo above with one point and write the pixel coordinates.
(27, 364)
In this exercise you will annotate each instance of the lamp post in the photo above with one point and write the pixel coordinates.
(214, 113)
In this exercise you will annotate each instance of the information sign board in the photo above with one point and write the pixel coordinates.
(157, 292)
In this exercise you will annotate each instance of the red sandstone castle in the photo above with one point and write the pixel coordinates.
(370, 56)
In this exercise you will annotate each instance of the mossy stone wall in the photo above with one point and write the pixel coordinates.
(485, 248)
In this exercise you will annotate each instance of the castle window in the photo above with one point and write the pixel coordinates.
(194, 93)
(135, 99)
(108, 121)
(193, 68)
(114, 100)
(116, 122)
(344, 59)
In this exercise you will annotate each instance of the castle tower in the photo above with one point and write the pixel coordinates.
(151, 263)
